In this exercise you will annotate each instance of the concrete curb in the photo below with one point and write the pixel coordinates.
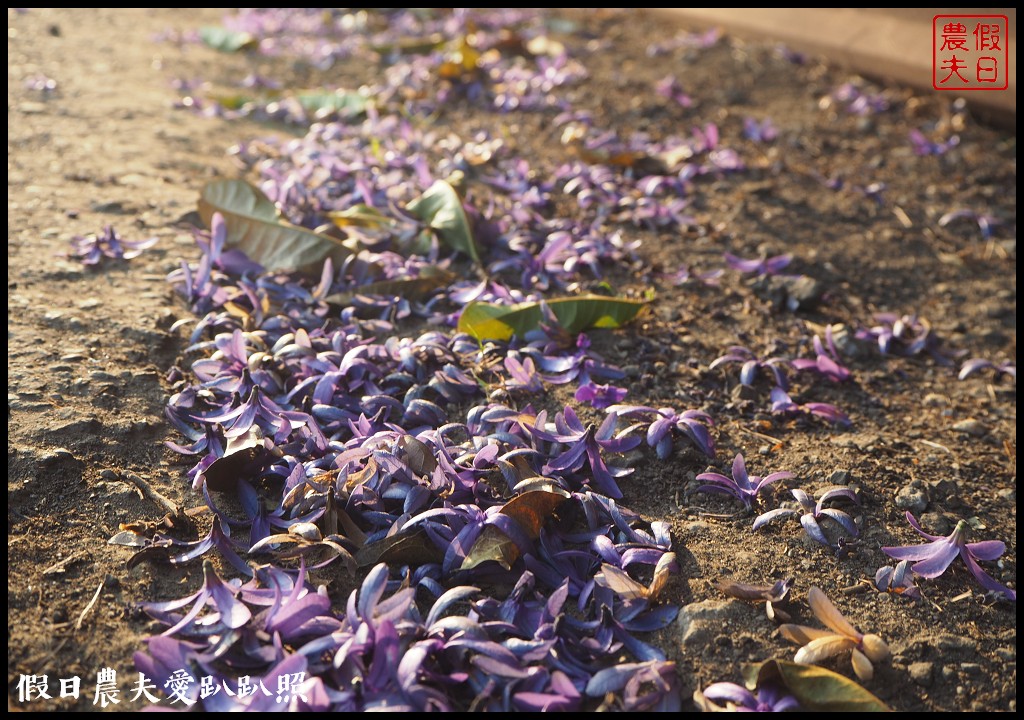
(893, 44)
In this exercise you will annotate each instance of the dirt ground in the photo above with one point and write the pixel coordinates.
(90, 348)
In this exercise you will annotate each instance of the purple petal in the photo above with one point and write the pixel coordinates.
(233, 612)
(372, 589)
(612, 679)
(842, 518)
(774, 477)
(767, 517)
(914, 524)
(943, 552)
(812, 528)
(986, 549)
(986, 581)
(739, 471)
(972, 366)
(701, 437)
(543, 702)
(730, 692)
(910, 552)
(290, 617)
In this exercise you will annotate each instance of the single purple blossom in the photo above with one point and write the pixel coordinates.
(522, 376)
(685, 40)
(90, 249)
(858, 102)
(693, 424)
(985, 222)
(923, 146)
(753, 364)
(670, 88)
(41, 83)
(741, 486)
(759, 131)
(761, 266)
(599, 396)
(227, 611)
(898, 580)
(974, 365)
(934, 557)
(811, 513)
(783, 404)
(727, 696)
(905, 336)
(826, 361)
(584, 446)
(683, 276)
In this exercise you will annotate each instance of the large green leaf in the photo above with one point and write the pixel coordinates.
(360, 216)
(487, 321)
(346, 104)
(255, 227)
(440, 207)
(815, 687)
(226, 40)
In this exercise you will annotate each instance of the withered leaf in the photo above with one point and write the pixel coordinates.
(404, 548)
(416, 288)
(224, 473)
(814, 687)
(530, 511)
(417, 455)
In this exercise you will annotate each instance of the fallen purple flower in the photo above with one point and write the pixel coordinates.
(857, 101)
(730, 697)
(683, 276)
(752, 364)
(826, 361)
(934, 557)
(898, 580)
(923, 146)
(670, 89)
(693, 424)
(599, 396)
(227, 611)
(783, 404)
(985, 222)
(759, 131)
(741, 486)
(905, 336)
(90, 249)
(812, 513)
(975, 365)
(761, 266)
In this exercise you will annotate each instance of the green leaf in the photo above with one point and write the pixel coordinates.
(815, 687)
(487, 321)
(345, 104)
(255, 227)
(226, 40)
(360, 216)
(440, 207)
(412, 46)
(417, 288)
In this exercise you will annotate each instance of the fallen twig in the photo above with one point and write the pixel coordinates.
(89, 607)
(149, 493)
(61, 565)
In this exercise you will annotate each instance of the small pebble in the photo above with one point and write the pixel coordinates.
(971, 427)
